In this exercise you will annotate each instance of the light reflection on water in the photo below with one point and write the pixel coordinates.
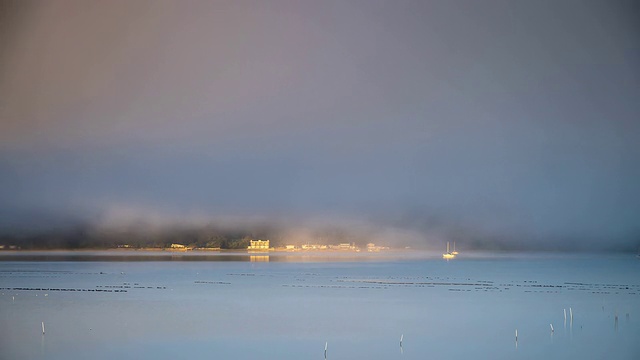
(284, 309)
(134, 255)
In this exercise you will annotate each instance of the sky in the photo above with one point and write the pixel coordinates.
(468, 120)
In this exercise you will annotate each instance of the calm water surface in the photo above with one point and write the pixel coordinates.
(146, 306)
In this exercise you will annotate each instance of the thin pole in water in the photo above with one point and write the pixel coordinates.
(401, 337)
(326, 344)
(571, 315)
(551, 327)
(516, 335)
(43, 328)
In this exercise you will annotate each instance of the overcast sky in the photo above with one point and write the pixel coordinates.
(510, 119)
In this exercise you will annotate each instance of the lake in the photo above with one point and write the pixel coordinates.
(136, 305)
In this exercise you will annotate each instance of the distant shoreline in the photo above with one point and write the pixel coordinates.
(208, 250)
(240, 255)
(129, 255)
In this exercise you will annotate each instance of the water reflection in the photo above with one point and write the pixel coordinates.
(144, 256)
(259, 258)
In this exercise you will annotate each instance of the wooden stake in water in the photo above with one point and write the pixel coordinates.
(401, 337)
(571, 315)
(326, 344)
(565, 315)
(43, 328)
(516, 335)
(551, 327)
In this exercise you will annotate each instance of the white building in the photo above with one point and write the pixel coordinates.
(258, 245)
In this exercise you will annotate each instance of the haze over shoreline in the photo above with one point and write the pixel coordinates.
(235, 235)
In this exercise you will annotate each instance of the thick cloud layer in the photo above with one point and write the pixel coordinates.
(479, 120)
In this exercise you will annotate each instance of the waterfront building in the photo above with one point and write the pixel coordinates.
(258, 245)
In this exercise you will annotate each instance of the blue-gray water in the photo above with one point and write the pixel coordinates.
(163, 307)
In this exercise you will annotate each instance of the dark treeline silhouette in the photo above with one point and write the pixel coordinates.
(82, 237)
(140, 236)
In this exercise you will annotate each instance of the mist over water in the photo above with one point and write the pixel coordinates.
(509, 128)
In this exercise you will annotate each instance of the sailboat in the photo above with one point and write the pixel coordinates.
(454, 252)
(448, 255)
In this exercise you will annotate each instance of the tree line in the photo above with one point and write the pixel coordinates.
(89, 238)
